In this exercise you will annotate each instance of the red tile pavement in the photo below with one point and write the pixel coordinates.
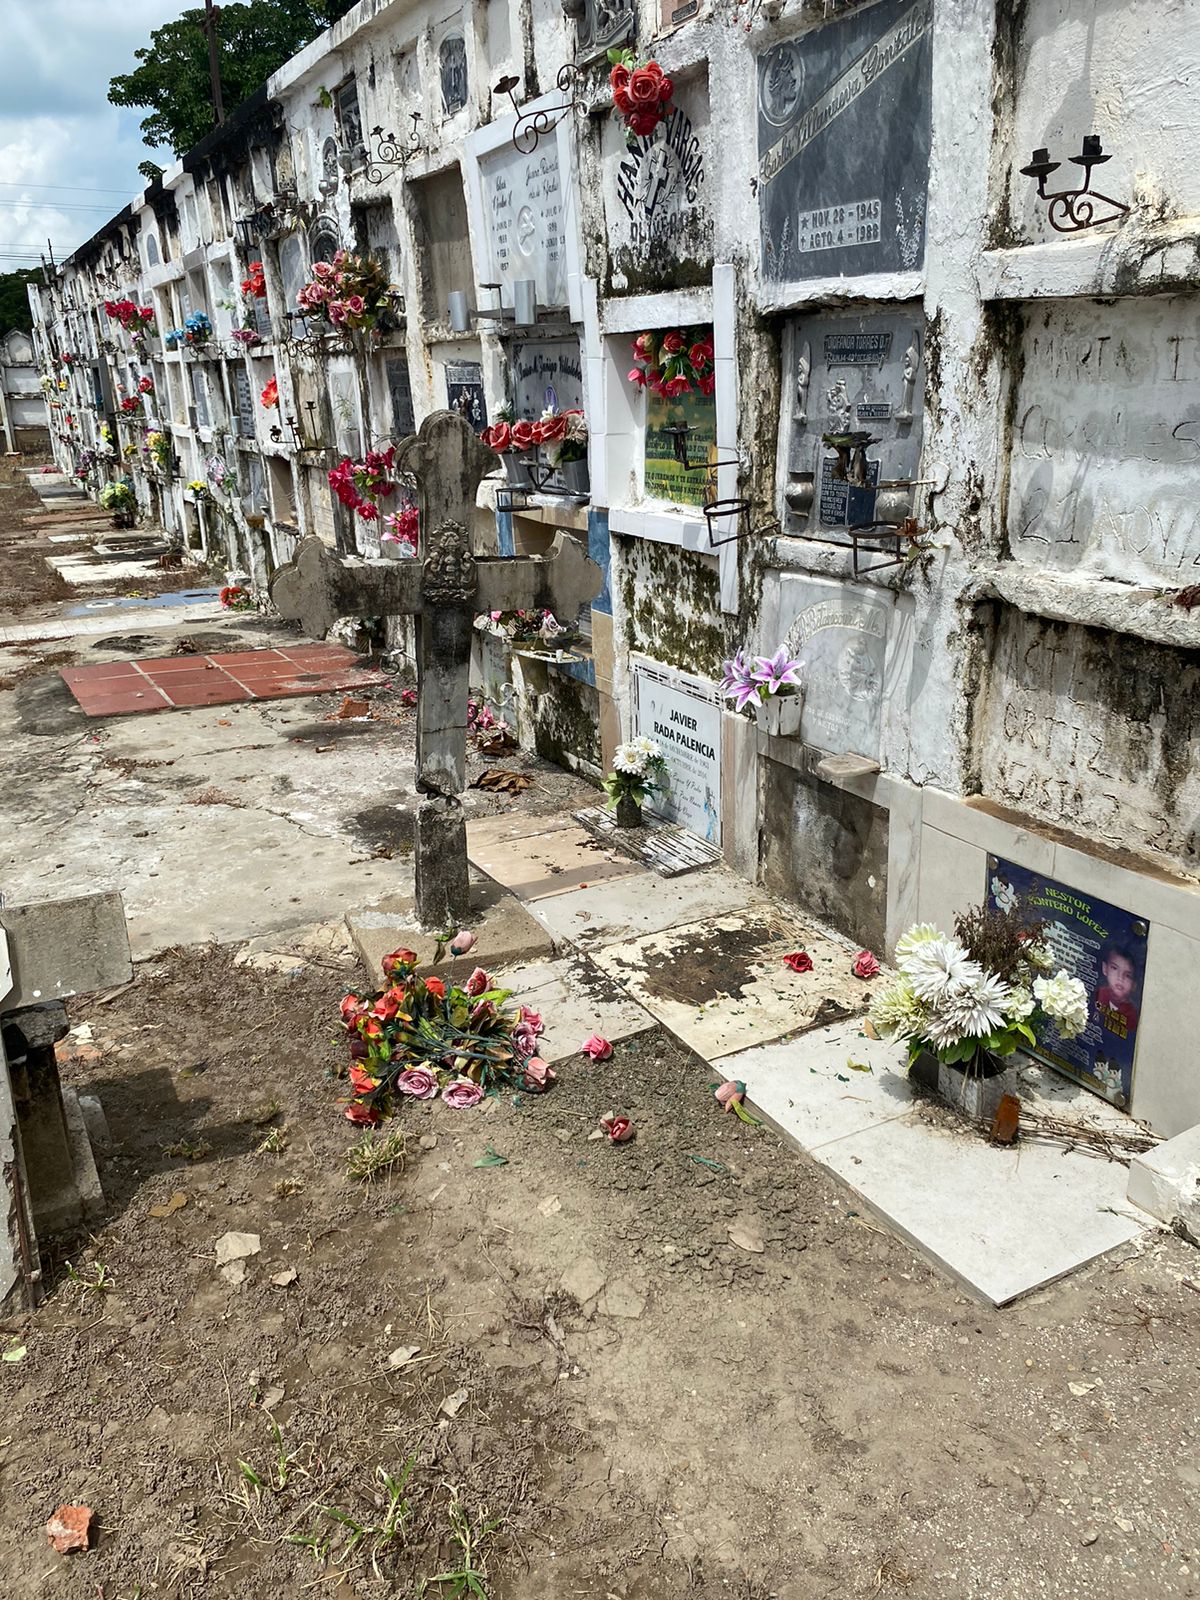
(162, 683)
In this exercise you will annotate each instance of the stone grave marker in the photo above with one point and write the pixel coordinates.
(445, 589)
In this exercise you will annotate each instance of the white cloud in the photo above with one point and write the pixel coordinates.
(56, 126)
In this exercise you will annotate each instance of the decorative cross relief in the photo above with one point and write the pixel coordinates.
(445, 590)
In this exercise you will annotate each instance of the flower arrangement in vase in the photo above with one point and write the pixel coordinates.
(197, 330)
(349, 292)
(642, 94)
(639, 770)
(770, 684)
(402, 528)
(360, 485)
(254, 284)
(119, 498)
(970, 1001)
(680, 361)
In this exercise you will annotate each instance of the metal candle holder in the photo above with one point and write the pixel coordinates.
(391, 152)
(531, 125)
(1072, 210)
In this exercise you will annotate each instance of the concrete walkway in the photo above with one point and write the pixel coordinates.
(702, 956)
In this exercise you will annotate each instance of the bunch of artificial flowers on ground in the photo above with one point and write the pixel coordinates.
(423, 1036)
(985, 991)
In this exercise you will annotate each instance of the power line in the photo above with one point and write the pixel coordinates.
(74, 188)
(58, 205)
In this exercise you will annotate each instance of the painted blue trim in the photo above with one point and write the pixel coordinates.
(600, 551)
(504, 529)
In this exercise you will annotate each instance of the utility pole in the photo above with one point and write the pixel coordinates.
(212, 15)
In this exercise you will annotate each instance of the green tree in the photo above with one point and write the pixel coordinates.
(14, 302)
(172, 76)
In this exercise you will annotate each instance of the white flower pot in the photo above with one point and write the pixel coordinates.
(780, 715)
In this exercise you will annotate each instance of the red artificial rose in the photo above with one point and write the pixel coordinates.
(645, 86)
(352, 1006)
(386, 1007)
(270, 395)
(361, 1080)
(701, 353)
(435, 987)
(672, 342)
(799, 961)
(553, 429)
(707, 384)
(498, 437)
(358, 1112)
(675, 387)
(643, 123)
(522, 435)
(398, 958)
(618, 80)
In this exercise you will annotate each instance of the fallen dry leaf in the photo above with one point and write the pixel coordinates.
(503, 782)
(747, 1238)
(169, 1207)
(401, 1358)
(453, 1403)
(282, 1279)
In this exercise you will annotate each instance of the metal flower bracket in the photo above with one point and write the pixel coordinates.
(391, 151)
(1072, 210)
(737, 507)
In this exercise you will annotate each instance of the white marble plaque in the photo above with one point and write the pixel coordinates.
(524, 220)
(1106, 441)
(839, 633)
(686, 723)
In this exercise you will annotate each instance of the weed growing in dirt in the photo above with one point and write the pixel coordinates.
(376, 1537)
(469, 1537)
(286, 1188)
(371, 1157)
(891, 1575)
(188, 1149)
(98, 1284)
(275, 1143)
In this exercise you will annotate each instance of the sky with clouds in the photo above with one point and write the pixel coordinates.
(63, 148)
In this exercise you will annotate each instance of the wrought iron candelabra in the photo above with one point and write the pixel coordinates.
(1073, 210)
(531, 125)
(392, 152)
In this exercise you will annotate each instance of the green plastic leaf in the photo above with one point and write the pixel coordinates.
(17, 1353)
(859, 1066)
(743, 1115)
(491, 1158)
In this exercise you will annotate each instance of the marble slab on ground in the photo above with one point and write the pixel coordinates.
(720, 984)
(484, 833)
(549, 862)
(505, 934)
(1001, 1221)
(574, 1000)
(621, 908)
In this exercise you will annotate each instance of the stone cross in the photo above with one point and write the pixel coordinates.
(445, 590)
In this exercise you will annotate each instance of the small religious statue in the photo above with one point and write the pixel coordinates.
(838, 400)
(912, 358)
(803, 372)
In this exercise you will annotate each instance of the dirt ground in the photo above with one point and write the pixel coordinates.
(558, 1373)
(642, 1408)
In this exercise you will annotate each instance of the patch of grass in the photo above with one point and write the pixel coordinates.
(890, 1574)
(98, 1283)
(275, 1143)
(376, 1538)
(469, 1535)
(374, 1155)
(282, 1470)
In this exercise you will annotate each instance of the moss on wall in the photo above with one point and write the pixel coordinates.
(672, 607)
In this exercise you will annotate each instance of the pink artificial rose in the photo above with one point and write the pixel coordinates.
(525, 1040)
(599, 1049)
(866, 965)
(322, 269)
(463, 942)
(337, 311)
(478, 983)
(636, 375)
(618, 1129)
(730, 1093)
(461, 1094)
(418, 1082)
(532, 1020)
(539, 1075)
(356, 305)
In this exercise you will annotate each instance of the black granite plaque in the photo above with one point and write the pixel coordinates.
(843, 144)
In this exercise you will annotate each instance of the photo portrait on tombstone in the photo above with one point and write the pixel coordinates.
(1117, 997)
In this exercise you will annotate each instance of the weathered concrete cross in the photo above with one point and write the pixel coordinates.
(445, 590)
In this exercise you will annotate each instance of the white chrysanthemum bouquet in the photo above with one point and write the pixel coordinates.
(638, 769)
(983, 992)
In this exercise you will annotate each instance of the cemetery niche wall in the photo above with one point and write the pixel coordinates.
(844, 120)
(851, 373)
(658, 208)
